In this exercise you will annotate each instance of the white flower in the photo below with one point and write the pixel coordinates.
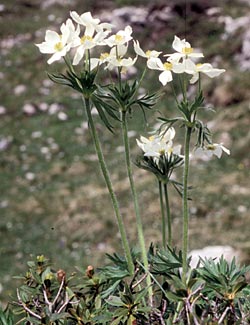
(183, 50)
(166, 74)
(91, 24)
(86, 20)
(205, 68)
(212, 149)
(115, 58)
(120, 38)
(59, 44)
(167, 134)
(73, 32)
(159, 145)
(87, 42)
(148, 54)
(166, 68)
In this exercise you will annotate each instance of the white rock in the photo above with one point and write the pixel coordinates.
(43, 107)
(54, 108)
(19, 89)
(30, 176)
(29, 109)
(5, 143)
(214, 252)
(36, 134)
(62, 116)
(2, 110)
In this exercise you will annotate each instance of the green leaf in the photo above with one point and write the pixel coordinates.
(98, 302)
(102, 115)
(115, 301)
(111, 289)
(61, 316)
(173, 296)
(117, 321)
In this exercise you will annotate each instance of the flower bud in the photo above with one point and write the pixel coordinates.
(90, 271)
(61, 274)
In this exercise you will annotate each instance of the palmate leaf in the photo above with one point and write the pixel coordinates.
(183, 107)
(112, 288)
(123, 97)
(179, 188)
(168, 122)
(222, 276)
(147, 101)
(6, 316)
(197, 103)
(110, 109)
(83, 83)
(65, 81)
(166, 262)
(203, 134)
(102, 114)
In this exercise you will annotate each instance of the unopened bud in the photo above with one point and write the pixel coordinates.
(61, 274)
(90, 271)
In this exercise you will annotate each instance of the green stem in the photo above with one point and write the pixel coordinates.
(110, 188)
(163, 219)
(185, 203)
(136, 205)
(169, 219)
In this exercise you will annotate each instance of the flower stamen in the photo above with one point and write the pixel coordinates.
(187, 50)
(85, 38)
(168, 66)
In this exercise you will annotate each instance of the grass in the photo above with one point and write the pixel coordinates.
(60, 212)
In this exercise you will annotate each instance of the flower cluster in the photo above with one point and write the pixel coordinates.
(159, 145)
(94, 34)
(97, 34)
(178, 62)
(160, 155)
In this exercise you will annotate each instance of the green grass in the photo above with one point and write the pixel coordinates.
(61, 212)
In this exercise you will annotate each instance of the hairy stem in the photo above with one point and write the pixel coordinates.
(110, 188)
(169, 219)
(135, 201)
(163, 219)
(185, 203)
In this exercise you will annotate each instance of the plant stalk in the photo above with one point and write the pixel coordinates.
(169, 219)
(185, 203)
(107, 178)
(163, 219)
(135, 201)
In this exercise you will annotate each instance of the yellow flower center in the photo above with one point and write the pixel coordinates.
(118, 38)
(58, 46)
(162, 152)
(148, 53)
(168, 66)
(104, 56)
(151, 138)
(187, 50)
(85, 38)
(170, 150)
(210, 147)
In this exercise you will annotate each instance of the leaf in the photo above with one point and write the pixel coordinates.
(111, 289)
(61, 316)
(115, 301)
(117, 320)
(103, 116)
(173, 296)
(98, 302)
(140, 295)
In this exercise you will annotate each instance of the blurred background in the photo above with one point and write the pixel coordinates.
(52, 195)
